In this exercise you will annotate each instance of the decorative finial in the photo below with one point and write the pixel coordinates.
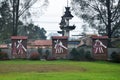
(67, 3)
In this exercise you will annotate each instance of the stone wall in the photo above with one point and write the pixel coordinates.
(29, 51)
(111, 50)
(8, 51)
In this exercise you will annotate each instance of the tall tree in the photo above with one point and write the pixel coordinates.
(103, 15)
(5, 21)
(7, 16)
(18, 12)
(32, 31)
(19, 7)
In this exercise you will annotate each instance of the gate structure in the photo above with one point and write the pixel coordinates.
(99, 47)
(60, 47)
(19, 47)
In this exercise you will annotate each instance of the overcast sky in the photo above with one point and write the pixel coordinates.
(51, 18)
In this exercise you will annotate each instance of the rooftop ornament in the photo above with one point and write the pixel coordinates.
(67, 14)
(64, 24)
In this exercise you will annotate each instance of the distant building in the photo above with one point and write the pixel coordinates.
(40, 44)
(3, 46)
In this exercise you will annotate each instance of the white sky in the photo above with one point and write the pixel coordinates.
(51, 18)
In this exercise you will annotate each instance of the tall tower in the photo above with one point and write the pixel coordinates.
(64, 24)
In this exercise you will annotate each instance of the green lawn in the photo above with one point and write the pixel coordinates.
(58, 70)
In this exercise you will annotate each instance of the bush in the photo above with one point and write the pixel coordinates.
(34, 56)
(75, 55)
(88, 55)
(0, 50)
(80, 54)
(115, 57)
(40, 50)
(3, 56)
(46, 55)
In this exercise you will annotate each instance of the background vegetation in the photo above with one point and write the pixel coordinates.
(81, 54)
(15, 19)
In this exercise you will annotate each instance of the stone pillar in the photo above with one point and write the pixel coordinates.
(99, 47)
(60, 47)
(19, 47)
(67, 28)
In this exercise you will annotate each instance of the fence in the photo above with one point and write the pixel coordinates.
(29, 51)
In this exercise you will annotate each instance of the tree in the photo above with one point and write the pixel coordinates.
(103, 15)
(41, 32)
(75, 54)
(5, 21)
(7, 16)
(19, 8)
(32, 31)
(17, 12)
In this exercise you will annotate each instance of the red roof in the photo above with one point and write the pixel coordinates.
(59, 37)
(42, 43)
(19, 37)
(100, 37)
(3, 46)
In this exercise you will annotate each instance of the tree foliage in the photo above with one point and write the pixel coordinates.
(19, 7)
(32, 31)
(115, 57)
(6, 22)
(103, 15)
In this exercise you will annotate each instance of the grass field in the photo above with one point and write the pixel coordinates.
(58, 70)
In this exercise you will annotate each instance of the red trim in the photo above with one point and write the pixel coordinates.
(19, 37)
(42, 43)
(100, 37)
(59, 37)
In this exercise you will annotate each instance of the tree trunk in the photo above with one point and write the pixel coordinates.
(15, 16)
(109, 22)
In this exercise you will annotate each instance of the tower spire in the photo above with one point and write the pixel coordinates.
(67, 3)
(64, 24)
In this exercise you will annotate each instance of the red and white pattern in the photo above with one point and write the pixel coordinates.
(59, 47)
(20, 47)
(99, 47)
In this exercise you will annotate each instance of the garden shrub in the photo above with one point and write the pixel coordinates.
(88, 55)
(0, 50)
(40, 50)
(115, 57)
(75, 55)
(46, 55)
(34, 56)
(3, 56)
(82, 54)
